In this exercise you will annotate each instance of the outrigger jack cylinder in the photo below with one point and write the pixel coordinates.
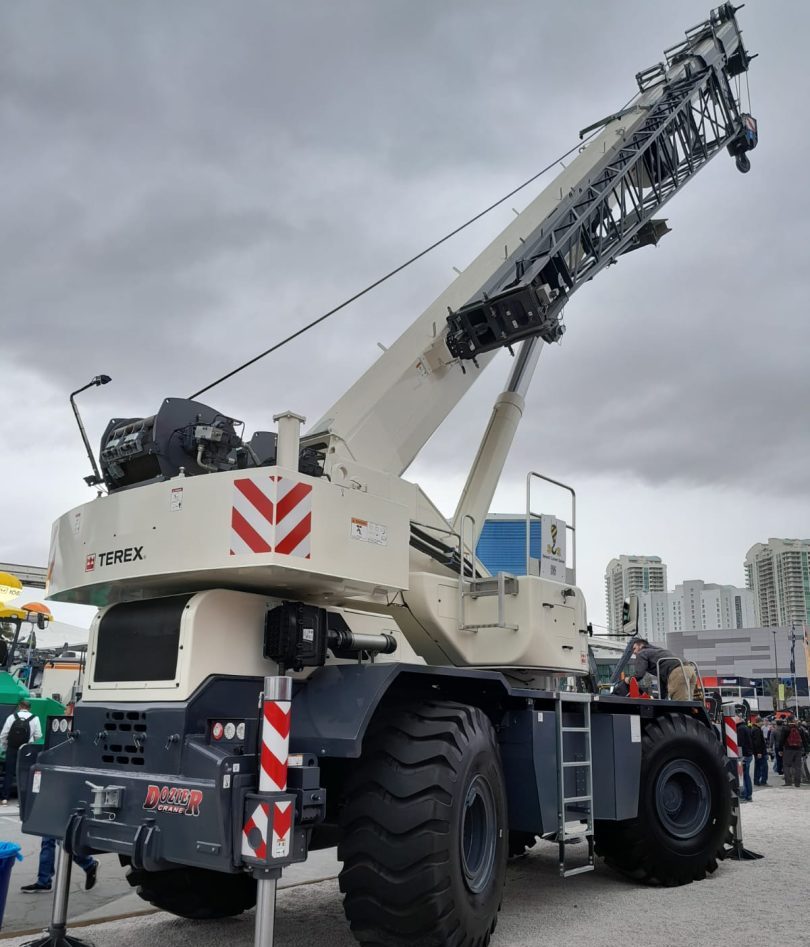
(273, 755)
(57, 935)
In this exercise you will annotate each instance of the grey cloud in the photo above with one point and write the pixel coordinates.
(182, 185)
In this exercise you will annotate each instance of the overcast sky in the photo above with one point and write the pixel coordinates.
(182, 184)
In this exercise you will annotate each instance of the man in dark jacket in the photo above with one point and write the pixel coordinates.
(775, 738)
(676, 680)
(760, 755)
(793, 748)
(746, 746)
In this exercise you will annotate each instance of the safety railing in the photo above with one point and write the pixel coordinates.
(472, 586)
(570, 574)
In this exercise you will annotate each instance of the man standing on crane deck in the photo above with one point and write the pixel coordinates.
(676, 680)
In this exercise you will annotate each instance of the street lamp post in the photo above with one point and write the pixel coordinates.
(775, 674)
(793, 667)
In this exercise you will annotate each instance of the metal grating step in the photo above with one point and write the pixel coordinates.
(567, 872)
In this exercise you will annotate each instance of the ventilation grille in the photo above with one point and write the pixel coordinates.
(123, 738)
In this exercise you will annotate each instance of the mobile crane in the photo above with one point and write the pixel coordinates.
(295, 649)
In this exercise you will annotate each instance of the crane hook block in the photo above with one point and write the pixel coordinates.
(746, 141)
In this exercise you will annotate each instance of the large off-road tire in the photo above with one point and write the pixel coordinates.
(424, 826)
(684, 807)
(195, 893)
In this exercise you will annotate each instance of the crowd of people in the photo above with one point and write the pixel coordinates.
(783, 743)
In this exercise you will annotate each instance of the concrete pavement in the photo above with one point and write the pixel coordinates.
(541, 908)
(32, 911)
(112, 895)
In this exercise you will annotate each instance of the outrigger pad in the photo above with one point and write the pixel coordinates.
(743, 854)
(58, 938)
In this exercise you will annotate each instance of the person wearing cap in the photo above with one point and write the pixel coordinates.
(675, 680)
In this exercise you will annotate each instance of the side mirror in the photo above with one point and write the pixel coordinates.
(630, 616)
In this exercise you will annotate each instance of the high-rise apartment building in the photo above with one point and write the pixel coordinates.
(778, 573)
(693, 606)
(655, 616)
(629, 574)
(706, 606)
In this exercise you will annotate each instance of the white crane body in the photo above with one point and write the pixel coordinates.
(391, 664)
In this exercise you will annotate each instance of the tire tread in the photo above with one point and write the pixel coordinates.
(396, 825)
(627, 846)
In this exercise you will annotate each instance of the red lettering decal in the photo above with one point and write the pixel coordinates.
(195, 798)
(152, 797)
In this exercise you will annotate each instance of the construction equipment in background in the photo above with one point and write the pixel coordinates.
(15, 671)
(296, 649)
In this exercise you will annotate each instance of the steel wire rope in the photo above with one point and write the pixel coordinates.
(418, 256)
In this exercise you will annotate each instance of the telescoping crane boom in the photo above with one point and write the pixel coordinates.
(601, 206)
(422, 714)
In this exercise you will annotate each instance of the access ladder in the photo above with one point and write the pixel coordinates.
(580, 804)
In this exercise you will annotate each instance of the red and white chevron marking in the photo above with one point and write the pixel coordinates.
(282, 829)
(730, 728)
(273, 756)
(293, 517)
(257, 831)
(253, 515)
(275, 746)
(254, 833)
(271, 514)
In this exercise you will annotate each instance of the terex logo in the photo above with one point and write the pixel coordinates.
(113, 557)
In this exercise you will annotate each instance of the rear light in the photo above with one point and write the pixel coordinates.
(227, 731)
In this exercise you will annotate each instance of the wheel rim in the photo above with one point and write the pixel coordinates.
(478, 835)
(682, 799)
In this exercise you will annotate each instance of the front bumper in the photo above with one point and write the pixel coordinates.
(159, 822)
(154, 821)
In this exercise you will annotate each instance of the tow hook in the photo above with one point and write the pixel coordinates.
(106, 800)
